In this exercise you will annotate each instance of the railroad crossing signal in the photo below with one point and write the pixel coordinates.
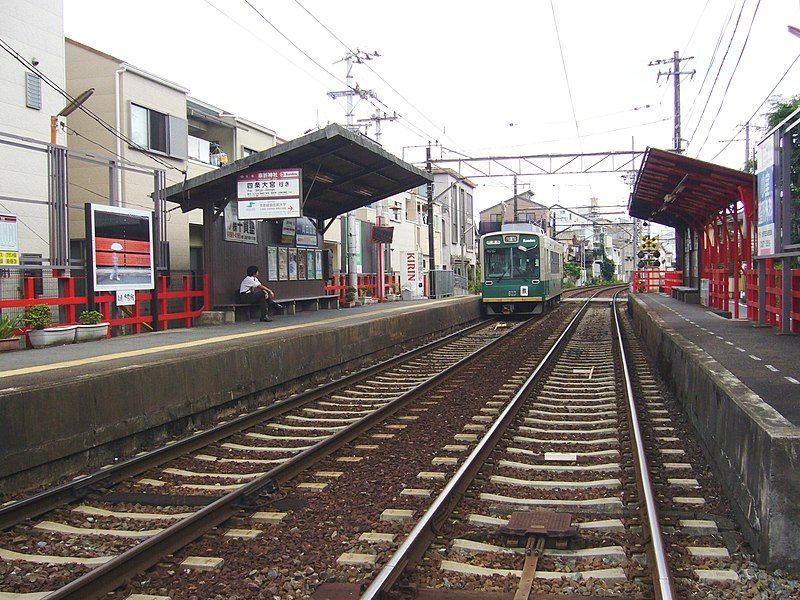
(648, 252)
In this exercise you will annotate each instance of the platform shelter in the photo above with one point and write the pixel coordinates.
(341, 171)
(712, 210)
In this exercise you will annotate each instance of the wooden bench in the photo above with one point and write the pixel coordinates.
(289, 306)
(686, 294)
(309, 303)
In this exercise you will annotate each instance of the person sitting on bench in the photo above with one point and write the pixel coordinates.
(252, 291)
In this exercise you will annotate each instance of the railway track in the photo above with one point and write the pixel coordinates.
(101, 525)
(557, 499)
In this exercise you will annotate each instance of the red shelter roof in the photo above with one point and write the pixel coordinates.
(674, 190)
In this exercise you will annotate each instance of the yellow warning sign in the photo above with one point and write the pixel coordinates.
(9, 258)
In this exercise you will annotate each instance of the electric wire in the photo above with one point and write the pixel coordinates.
(730, 79)
(764, 101)
(108, 127)
(719, 71)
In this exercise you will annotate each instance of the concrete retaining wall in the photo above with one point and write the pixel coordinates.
(755, 449)
(50, 431)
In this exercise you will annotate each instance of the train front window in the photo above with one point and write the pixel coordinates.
(526, 262)
(498, 262)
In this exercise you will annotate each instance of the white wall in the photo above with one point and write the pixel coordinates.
(35, 28)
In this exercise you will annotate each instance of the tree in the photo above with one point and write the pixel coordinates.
(608, 269)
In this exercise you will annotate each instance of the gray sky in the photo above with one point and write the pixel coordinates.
(467, 69)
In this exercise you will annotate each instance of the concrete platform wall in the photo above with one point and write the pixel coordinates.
(755, 449)
(53, 430)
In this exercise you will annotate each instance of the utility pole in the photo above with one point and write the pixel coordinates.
(377, 118)
(431, 245)
(353, 90)
(516, 210)
(675, 72)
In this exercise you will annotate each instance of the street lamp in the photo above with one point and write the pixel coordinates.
(70, 108)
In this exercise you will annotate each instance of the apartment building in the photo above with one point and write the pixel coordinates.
(26, 105)
(528, 211)
(459, 241)
(166, 129)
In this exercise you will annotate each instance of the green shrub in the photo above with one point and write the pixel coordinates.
(350, 294)
(90, 317)
(7, 325)
(37, 316)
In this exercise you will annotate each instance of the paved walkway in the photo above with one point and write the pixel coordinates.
(31, 367)
(767, 363)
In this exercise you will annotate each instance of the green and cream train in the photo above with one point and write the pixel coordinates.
(522, 270)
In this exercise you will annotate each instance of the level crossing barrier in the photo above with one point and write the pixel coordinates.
(654, 280)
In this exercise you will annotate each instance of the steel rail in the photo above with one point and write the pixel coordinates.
(662, 580)
(110, 575)
(425, 530)
(72, 491)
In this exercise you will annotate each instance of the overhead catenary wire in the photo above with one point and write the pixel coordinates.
(730, 79)
(719, 71)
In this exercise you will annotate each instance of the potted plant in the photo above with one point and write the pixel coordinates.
(91, 326)
(37, 318)
(350, 296)
(8, 341)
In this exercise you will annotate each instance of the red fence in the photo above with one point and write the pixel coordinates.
(367, 282)
(649, 281)
(104, 302)
(773, 309)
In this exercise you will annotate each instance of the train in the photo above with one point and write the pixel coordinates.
(522, 270)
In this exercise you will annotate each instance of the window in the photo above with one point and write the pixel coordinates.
(511, 262)
(555, 262)
(159, 132)
(495, 218)
(33, 91)
(444, 233)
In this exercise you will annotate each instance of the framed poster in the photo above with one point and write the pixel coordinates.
(121, 248)
(283, 264)
(302, 264)
(318, 263)
(305, 232)
(292, 263)
(310, 272)
(288, 227)
(272, 263)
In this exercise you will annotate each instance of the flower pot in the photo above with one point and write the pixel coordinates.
(90, 333)
(7, 344)
(52, 336)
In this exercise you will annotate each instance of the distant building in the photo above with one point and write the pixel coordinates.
(36, 31)
(165, 123)
(528, 211)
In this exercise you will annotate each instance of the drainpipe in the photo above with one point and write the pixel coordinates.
(116, 174)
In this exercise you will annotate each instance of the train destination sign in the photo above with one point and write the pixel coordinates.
(270, 194)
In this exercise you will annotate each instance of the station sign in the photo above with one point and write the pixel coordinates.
(9, 241)
(272, 194)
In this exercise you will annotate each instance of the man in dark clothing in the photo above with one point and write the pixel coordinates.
(252, 291)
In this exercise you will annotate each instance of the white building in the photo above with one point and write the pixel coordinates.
(36, 32)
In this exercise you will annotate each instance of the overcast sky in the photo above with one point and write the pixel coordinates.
(461, 72)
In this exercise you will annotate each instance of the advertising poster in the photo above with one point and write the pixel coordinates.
(318, 263)
(287, 231)
(9, 241)
(302, 264)
(765, 184)
(270, 194)
(292, 263)
(236, 230)
(283, 264)
(310, 272)
(272, 263)
(122, 248)
(305, 232)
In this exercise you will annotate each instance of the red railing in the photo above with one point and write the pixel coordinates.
(104, 302)
(366, 282)
(773, 309)
(718, 289)
(648, 281)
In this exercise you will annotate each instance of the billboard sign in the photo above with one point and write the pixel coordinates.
(765, 184)
(9, 241)
(121, 248)
(270, 194)
(237, 230)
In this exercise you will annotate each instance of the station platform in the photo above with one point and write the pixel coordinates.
(69, 408)
(767, 363)
(739, 385)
